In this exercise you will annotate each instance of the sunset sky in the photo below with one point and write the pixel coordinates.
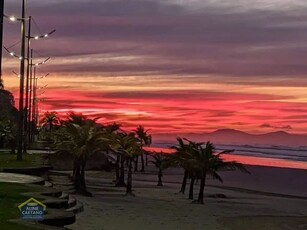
(172, 65)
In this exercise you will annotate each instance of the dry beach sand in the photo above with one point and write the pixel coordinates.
(269, 198)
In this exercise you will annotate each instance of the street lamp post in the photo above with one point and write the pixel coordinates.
(34, 104)
(34, 101)
(32, 90)
(24, 114)
(30, 97)
(26, 120)
(1, 35)
(28, 124)
(20, 133)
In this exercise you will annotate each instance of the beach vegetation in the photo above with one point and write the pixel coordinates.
(160, 161)
(49, 120)
(145, 140)
(201, 161)
(8, 119)
(81, 141)
(179, 159)
(128, 147)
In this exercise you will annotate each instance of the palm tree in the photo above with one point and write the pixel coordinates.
(80, 142)
(191, 173)
(49, 120)
(112, 130)
(204, 162)
(161, 162)
(115, 141)
(180, 159)
(145, 139)
(128, 147)
(77, 118)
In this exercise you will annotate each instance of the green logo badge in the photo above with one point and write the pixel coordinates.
(32, 209)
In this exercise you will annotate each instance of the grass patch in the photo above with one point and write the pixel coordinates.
(8, 160)
(10, 198)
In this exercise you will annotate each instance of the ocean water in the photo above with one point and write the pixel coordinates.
(274, 156)
(278, 152)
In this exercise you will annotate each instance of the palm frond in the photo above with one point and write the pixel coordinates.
(215, 176)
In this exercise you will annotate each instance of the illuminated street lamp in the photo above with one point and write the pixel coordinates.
(23, 112)
(27, 117)
(20, 130)
(13, 18)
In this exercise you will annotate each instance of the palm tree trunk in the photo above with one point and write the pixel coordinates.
(184, 182)
(200, 199)
(160, 175)
(129, 180)
(50, 126)
(121, 181)
(117, 168)
(107, 164)
(12, 144)
(143, 164)
(75, 168)
(79, 178)
(136, 164)
(191, 192)
(83, 185)
(24, 151)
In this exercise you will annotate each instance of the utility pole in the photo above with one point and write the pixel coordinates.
(34, 96)
(36, 104)
(30, 124)
(20, 134)
(26, 120)
(1, 34)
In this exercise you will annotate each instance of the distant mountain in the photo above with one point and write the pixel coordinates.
(232, 136)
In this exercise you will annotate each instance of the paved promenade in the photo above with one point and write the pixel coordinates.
(19, 178)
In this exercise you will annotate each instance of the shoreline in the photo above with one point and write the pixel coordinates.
(248, 160)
